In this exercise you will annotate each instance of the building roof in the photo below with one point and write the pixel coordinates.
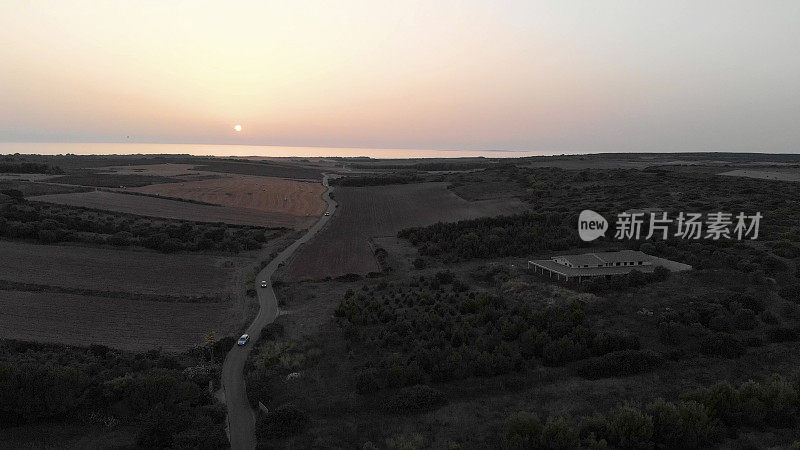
(622, 256)
(561, 269)
(589, 259)
(601, 258)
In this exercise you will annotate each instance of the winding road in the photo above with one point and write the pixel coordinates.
(241, 418)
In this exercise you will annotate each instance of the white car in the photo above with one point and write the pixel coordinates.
(263, 283)
(327, 213)
(243, 340)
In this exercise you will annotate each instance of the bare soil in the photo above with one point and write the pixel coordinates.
(365, 212)
(121, 270)
(129, 325)
(175, 209)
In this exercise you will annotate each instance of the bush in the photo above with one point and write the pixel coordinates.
(630, 427)
(286, 420)
(416, 398)
(722, 344)
(745, 319)
(790, 292)
(523, 429)
(620, 364)
(157, 429)
(687, 425)
(782, 334)
(413, 441)
(349, 277)
(562, 351)
(769, 317)
(560, 433)
(720, 322)
(271, 331)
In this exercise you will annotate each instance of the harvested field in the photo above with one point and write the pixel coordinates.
(129, 325)
(118, 270)
(365, 212)
(174, 209)
(267, 194)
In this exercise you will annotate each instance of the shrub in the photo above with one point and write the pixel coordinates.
(666, 422)
(747, 301)
(620, 364)
(414, 441)
(416, 398)
(157, 429)
(630, 427)
(782, 334)
(561, 351)
(722, 400)
(686, 425)
(349, 277)
(720, 322)
(697, 426)
(781, 401)
(722, 344)
(790, 292)
(560, 433)
(524, 429)
(596, 425)
(745, 319)
(286, 420)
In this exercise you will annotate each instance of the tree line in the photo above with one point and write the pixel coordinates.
(29, 167)
(165, 397)
(49, 224)
(703, 418)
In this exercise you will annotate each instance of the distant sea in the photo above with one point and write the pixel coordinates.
(246, 150)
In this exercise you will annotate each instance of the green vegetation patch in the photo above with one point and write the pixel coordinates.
(165, 397)
(437, 330)
(49, 224)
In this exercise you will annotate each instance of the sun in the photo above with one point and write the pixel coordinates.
(237, 128)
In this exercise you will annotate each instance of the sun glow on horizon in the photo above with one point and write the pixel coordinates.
(541, 75)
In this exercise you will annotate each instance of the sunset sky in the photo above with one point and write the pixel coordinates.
(572, 76)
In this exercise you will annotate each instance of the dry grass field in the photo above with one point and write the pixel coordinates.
(365, 212)
(130, 325)
(778, 174)
(120, 270)
(175, 209)
(267, 194)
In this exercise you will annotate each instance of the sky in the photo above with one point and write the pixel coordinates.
(571, 76)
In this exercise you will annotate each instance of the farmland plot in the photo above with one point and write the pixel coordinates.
(128, 325)
(267, 194)
(174, 209)
(120, 270)
(365, 212)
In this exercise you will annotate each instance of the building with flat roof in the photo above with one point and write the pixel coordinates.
(591, 265)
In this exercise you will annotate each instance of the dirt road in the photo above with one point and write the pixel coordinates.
(241, 418)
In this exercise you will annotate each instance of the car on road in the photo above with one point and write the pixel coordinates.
(327, 213)
(263, 283)
(243, 340)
